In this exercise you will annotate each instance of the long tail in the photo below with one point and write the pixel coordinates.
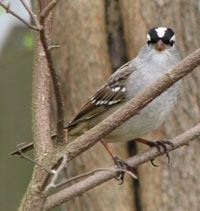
(29, 146)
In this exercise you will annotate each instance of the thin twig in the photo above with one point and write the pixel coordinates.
(118, 170)
(56, 173)
(40, 27)
(51, 47)
(32, 15)
(8, 10)
(22, 155)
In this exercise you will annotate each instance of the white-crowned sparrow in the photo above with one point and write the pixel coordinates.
(153, 60)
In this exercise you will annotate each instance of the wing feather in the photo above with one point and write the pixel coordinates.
(112, 93)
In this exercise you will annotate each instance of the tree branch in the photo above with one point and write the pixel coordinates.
(45, 12)
(89, 173)
(87, 140)
(131, 108)
(34, 194)
(8, 10)
(56, 85)
(57, 90)
(91, 137)
(34, 198)
(101, 177)
(32, 15)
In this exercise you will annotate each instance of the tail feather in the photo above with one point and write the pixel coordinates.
(29, 146)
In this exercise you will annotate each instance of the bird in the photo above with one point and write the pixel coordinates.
(155, 58)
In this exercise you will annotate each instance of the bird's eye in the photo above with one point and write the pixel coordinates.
(148, 42)
(172, 40)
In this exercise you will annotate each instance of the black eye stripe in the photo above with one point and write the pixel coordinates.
(155, 36)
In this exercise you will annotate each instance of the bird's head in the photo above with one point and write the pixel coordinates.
(161, 38)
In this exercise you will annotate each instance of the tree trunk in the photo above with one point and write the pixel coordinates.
(174, 186)
(84, 63)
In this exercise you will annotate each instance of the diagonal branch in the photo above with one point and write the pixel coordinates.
(101, 177)
(117, 170)
(91, 137)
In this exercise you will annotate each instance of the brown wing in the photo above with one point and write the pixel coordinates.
(112, 93)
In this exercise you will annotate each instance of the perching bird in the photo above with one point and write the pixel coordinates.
(153, 60)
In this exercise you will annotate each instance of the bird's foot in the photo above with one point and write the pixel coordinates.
(121, 164)
(159, 145)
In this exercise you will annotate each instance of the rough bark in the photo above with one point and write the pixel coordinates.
(166, 187)
(83, 63)
(34, 198)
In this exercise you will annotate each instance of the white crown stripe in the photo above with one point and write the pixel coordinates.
(161, 31)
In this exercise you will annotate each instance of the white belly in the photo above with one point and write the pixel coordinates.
(148, 119)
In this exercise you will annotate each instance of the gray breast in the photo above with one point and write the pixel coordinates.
(154, 114)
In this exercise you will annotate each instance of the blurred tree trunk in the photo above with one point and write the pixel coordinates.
(91, 40)
(175, 186)
(84, 64)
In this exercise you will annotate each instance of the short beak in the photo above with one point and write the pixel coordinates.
(160, 46)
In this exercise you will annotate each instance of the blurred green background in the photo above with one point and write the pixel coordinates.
(16, 62)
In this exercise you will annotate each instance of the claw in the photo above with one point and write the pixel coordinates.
(120, 178)
(123, 165)
(158, 145)
(153, 164)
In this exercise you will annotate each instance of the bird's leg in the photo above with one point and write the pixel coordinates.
(108, 149)
(118, 162)
(158, 145)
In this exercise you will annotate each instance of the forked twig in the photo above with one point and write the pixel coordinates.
(56, 173)
(32, 15)
(39, 21)
(8, 10)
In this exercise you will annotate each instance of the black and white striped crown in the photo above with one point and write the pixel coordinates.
(161, 33)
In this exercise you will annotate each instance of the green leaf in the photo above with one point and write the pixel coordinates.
(28, 41)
